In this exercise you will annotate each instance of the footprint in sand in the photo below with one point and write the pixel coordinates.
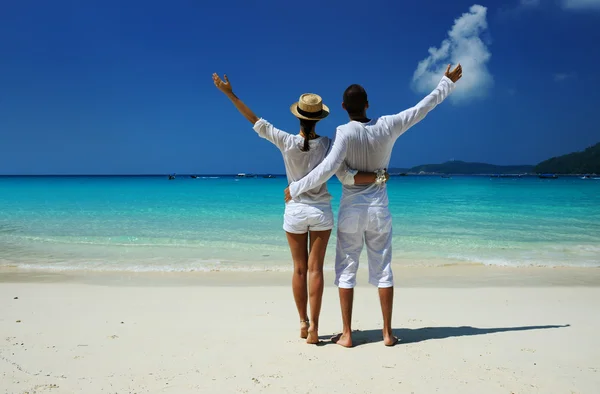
(42, 387)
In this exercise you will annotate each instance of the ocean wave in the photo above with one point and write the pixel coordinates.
(534, 261)
(146, 242)
(284, 266)
(143, 268)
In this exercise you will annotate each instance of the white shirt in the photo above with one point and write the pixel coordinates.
(368, 147)
(299, 163)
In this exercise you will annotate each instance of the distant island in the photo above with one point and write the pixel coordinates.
(462, 167)
(585, 162)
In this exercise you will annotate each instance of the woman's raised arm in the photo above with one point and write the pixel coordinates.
(225, 87)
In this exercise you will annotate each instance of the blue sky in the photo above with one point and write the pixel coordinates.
(123, 87)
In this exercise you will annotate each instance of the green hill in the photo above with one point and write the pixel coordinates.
(585, 162)
(461, 167)
(397, 170)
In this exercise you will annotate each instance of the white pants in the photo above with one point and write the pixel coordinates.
(299, 218)
(373, 227)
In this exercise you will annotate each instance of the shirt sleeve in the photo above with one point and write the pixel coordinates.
(321, 173)
(346, 174)
(266, 130)
(399, 123)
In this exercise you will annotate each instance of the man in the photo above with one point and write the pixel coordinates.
(364, 217)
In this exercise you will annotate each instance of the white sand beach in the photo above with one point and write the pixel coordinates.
(462, 329)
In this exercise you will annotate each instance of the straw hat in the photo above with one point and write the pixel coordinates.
(310, 107)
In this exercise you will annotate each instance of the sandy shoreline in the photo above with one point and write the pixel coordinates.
(438, 277)
(462, 330)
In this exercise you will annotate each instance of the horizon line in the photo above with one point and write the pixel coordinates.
(147, 174)
(253, 173)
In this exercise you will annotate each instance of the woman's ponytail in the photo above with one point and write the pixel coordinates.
(308, 129)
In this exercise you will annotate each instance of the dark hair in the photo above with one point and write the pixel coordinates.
(308, 129)
(355, 100)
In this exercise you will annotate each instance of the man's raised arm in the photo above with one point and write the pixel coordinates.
(403, 121)
(321, 173)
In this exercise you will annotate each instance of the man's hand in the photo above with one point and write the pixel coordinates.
(387, 176)
(224, 87)
(454, 75)
(287, 195)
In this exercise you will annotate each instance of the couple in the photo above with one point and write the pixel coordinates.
(358, 157)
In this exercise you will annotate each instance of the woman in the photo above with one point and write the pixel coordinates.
(308, 218)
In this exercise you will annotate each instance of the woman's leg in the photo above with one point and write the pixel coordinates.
(299, 247)
(316, 258)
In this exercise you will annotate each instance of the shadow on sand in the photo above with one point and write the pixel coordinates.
(414, 335)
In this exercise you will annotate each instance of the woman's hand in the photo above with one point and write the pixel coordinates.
(224, 87)
(286, 195)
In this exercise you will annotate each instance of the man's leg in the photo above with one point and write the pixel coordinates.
(346, 302)
(386, 298)
(379, 249)
(349, 246)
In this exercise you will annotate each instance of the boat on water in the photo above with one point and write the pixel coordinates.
(269, 176)
(244, 175)
(507, 176)
(193, 176)
(548, 176)
(171, 177)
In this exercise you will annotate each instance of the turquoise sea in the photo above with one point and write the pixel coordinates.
(226, 223)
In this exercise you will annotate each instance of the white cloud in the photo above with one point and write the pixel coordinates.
(513, 11)
(570, 5)
(529, 3)
(559, 77)
(581, 4)
(463, 46)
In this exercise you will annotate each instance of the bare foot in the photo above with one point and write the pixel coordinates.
(389, 340)
(313, 336)
(303, 329)
(344, 340)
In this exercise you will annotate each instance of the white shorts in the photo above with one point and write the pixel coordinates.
(364, 225)
(301, 218)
